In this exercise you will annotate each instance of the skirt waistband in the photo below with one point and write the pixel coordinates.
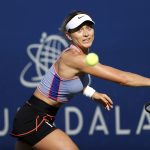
(42, 106)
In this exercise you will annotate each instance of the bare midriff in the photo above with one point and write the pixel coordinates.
(47, 100)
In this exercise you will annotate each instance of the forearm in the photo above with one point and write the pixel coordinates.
(117, 75)
(125, 78)
(132, 79)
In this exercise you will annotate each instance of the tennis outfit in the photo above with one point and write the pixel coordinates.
(58, 89)
(35, 118)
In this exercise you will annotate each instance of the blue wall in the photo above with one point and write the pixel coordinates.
(122, 38)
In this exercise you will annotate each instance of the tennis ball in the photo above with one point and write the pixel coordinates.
(92, 59)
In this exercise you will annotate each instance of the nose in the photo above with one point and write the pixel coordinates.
(85, 32)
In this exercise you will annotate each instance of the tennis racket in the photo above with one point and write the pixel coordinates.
(147, 107)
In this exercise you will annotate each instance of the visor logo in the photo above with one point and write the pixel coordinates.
(80, 17)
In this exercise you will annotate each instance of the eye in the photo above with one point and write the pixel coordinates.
(88, 27)
(79, 30)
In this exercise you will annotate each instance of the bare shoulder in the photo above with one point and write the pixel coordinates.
(74, 58)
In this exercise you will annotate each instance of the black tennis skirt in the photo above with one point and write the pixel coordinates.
(34, 121)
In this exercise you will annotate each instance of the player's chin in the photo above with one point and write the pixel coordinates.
(87, 45)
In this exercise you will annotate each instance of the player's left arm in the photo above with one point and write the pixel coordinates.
(106, 72)
(118, 76)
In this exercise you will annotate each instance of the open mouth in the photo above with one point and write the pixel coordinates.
(86, 40)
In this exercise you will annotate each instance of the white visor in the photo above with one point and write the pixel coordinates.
(77, 21)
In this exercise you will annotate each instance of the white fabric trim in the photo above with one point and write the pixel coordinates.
(88, 91)
(78, 20)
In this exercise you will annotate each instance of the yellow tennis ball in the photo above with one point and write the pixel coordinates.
(92, 59)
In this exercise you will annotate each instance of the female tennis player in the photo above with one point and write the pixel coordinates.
(69, 75)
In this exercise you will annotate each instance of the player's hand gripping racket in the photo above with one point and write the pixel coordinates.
(147, 107)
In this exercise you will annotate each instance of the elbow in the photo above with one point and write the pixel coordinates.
(126, 82)
(129, 83)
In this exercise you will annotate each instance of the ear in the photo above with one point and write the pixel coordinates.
(68, 36)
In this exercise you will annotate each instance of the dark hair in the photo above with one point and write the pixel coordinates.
(69, 17)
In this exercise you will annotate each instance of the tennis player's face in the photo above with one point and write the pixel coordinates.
(83, 36)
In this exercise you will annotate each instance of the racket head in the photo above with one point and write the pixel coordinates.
(147, 107)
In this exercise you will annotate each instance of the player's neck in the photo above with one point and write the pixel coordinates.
(85, 51)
